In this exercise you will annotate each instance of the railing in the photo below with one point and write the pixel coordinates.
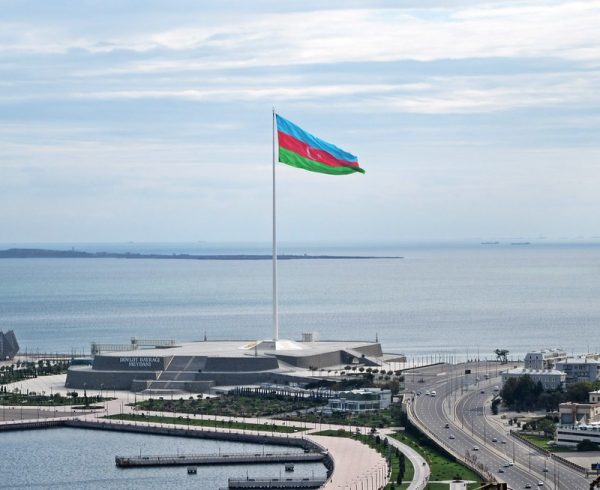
(96, 348)
(152, 342)
(545, 452)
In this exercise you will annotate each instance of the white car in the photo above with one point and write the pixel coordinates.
(475, 448)
(540, 483)
(451, 436)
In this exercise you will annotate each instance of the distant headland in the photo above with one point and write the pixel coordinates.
(40, 253)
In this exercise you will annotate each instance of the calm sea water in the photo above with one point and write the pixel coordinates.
(437, 299)
(70, 458)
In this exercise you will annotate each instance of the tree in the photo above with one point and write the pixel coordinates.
(578, 392)
(547, 426)
(587, 445)
(494, 407)
(501, 355)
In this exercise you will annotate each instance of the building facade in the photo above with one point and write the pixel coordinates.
(551, 379)
(362, 400)
(579, 413)
(579, 369)
(544, 359)
(571, 435)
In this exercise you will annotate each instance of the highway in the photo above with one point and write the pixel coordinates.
(472, 434)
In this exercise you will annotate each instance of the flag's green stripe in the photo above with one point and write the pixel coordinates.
(295, 160)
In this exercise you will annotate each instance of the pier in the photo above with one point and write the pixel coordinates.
(276, 483)
(29, 425)
(220, 459)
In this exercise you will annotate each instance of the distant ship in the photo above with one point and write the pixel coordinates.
(490, 243)
(521, 243)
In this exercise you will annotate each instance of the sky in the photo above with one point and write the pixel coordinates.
(152, 120)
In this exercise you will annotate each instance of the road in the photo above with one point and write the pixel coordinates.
(470, 433)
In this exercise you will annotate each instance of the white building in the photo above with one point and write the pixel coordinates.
(579, 413)
(579, 369)
(595, 396)
(544, 359)
(571, 435)
(361, 400)
(551, 379)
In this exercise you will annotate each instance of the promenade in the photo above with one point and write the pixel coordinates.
(356, 465)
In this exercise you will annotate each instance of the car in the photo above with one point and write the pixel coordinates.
(418, 393)
(500, 470)
(527, 485)
(545, 470)
(433, 393)
(482, 392)
(540, 483)
(503, 442)
(427, 393)
(494, 440)
(475, 448)
(451, 436)
(506, 465)
(447, 426)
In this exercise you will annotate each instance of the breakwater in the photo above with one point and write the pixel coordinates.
(213, 459)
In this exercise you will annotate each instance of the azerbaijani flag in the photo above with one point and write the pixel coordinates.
(303, 150)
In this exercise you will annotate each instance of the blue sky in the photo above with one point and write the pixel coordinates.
(151, 121)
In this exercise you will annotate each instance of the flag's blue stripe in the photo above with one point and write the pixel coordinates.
(290, 128)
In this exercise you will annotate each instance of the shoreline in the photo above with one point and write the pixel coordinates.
(40, 253)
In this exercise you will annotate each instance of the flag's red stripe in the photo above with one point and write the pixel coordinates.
(290, 143)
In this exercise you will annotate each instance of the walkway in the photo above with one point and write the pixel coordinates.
(422, 470)
(355, 463)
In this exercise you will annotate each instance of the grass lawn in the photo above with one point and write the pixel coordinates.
(542, 442)
(442, 467)
(227, 424)
(18, 399)
(388, 417)
(230, 405)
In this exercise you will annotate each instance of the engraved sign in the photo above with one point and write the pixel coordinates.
(142, 362)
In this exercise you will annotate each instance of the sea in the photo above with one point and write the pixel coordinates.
(461, 299)
(66, 458)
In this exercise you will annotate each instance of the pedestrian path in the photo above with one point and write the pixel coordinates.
(421, 468)
(355, 463)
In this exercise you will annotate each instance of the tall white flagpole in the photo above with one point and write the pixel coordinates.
(275, 306)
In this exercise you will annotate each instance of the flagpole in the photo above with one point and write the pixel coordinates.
(275, 306)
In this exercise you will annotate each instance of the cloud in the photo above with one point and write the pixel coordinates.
(566, 30)
(437, 94)
(465, 109)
